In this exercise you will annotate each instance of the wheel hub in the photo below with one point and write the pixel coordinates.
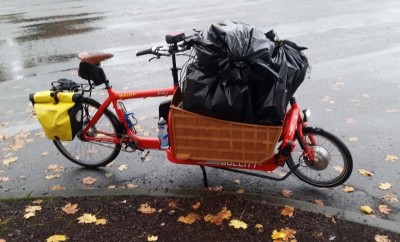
(321, 159)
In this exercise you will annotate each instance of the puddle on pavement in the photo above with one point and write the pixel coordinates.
(17, 57)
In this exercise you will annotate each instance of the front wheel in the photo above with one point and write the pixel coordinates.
(93, 154)
(332, 164)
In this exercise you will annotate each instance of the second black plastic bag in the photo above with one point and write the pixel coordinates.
(242, 75)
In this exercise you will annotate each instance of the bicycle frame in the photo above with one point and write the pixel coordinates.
(292, 129)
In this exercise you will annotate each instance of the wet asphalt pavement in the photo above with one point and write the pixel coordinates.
(352, 88)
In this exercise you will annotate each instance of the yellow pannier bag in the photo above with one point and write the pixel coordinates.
(59, 113)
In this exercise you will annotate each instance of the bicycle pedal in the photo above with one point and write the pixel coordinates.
(144, 154)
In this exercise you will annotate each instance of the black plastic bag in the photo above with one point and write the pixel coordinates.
(241, 75)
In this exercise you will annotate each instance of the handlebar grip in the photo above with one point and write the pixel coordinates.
(144, 52)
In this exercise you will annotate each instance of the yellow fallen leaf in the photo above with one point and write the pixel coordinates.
(29, 215)
(385, 186)
(289, 233)
(55, 168)
(196, 205)
(131, 186)
(70, 208)
(9, 160)
(152, 238)
(101, 221)
(353, 139)
(384, 209)
(49, 177)
(237, 224)
(189, 219)
(365, 172)
(32, 208)
(287, 211)
(37, 202)
(217, 219)
(44, 153)
(391, 158)
(391, 198)
(366, 209)
(123, 167)
(348, 189)
(382, 238)
(259, 227)
(87, 218)
(4, 178)
(56, 238)
(57, 188)
(278, 235)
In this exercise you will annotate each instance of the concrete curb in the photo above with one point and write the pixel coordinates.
(275, 201)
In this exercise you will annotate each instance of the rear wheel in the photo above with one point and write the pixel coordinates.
(332, 164)
(93, 154)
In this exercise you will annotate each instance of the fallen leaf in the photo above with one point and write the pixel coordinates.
(353, 139)
(237, 224)
(55, 168)
(70, 208)
(189, 219)
(350, 120)
(217, 219)
(318, 202)
(111, 186)
(287, 211)
(259, 228)
(196, 205)
(123, 167)
(237, 181)
(348, 189)
(382, 238)
(366, 209)
(57, 188)
(385, 209)
(338, 168)
(9, 160)
(152, 238)
(131, 186)
(240, 190)
(32, 208)
(173, 204)
(44, 153)
(37, 202)
(49, 177)
(392, 111)
(101, 221)
(385, 186)
(87, 218)
(278, 235)
(287, 193)
(365, 172)
(215, 189)
(57, 238)
(391, 198)
(89, 180)
(108, 174)
(146, 209)
(391, 158)
(29, 215)
(4, 179)
(289, 233)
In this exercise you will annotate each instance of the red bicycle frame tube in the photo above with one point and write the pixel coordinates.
(113, 97)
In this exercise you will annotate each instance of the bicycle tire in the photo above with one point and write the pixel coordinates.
(92, 154)
(333, 160)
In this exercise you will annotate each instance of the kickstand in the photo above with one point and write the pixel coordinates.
(203, 169)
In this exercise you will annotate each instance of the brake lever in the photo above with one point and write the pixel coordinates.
(156, 57)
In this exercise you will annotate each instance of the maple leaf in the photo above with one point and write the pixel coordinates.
(382, 238)
(217, 219)
(391, 158)
(196, 205)
(87, 218)
(287, 193)
(289, 233)
(384, 209)
(237, 224)
(278, 235)
(385, 186)
(259, 228)
(70, 208)
(89, 180)
(366, 209)
(146, 209)
(152, 238)
(365, 172)
(30, 214)
(287, 211)
(348, 189)
(101, 221)
(123, 167)
(189, 219)
(391, 198)
(32, 208)
(57, 238)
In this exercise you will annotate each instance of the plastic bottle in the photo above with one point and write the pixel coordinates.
(163, 133)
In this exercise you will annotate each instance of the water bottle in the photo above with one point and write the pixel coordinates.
(163, 133)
